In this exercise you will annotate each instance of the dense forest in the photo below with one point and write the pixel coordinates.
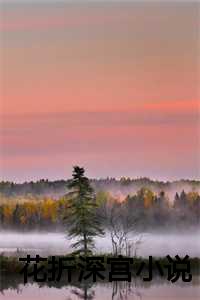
(117, 187)
(132, 204)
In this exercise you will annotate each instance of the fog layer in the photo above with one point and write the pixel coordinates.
(154, 244)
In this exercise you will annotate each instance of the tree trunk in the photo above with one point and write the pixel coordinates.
(85, 244)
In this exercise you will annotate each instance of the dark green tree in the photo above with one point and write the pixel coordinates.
(82, 212)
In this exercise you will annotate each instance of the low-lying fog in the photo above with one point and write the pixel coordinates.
(58, 243)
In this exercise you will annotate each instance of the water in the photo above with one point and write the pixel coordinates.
(58, 244)
(116, 291)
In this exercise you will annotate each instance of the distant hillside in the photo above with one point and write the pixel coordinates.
(118, 188)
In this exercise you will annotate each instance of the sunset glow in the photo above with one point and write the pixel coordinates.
(112, 87)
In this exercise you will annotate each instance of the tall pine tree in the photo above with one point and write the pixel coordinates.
(82, 219)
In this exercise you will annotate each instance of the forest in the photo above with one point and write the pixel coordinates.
(117, 187)
(44, 205)
(88, 209)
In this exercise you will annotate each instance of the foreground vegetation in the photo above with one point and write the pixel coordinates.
(11, 265)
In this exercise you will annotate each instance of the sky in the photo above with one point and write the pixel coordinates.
(113, 87)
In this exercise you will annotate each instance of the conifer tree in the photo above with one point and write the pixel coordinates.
(82, 218)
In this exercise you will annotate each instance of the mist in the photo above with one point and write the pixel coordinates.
(155, 244)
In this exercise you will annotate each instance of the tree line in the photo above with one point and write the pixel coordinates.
(126, 185)
(152, 210)
(85, 214)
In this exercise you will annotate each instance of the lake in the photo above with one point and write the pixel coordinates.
(121, 291)
(58, 243)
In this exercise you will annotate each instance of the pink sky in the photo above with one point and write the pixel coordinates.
(111, 87)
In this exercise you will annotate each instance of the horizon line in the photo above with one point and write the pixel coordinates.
(106, 178)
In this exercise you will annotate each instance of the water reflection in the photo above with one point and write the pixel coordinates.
(122, 290)
(13, 289)
(85, 292)
(119, 291)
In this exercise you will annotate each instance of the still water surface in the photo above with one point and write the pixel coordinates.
(153, 291)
